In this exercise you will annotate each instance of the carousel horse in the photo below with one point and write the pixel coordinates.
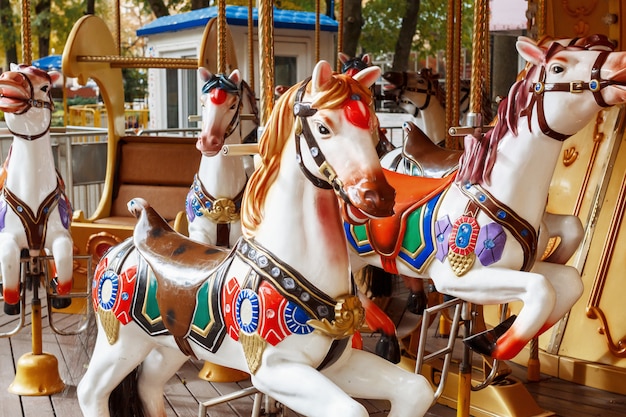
(279, 305)
(214, 199)
(34, 210)
(474, 232)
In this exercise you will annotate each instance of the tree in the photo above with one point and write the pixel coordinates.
(8, 33)
(352, 23)
(405, 36)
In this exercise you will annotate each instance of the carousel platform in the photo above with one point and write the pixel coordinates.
(185, 391)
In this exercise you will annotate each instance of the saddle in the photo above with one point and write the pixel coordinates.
(432, 160)
(180, 266)
(386, 234)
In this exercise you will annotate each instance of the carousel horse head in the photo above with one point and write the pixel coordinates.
(25, 88)
(329, 106)
(223, 100)
(414, 89)
(351, 66)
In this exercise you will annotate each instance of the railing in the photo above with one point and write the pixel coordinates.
(80, 155)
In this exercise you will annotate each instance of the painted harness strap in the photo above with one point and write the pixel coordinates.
(35, 224)
(521, 230)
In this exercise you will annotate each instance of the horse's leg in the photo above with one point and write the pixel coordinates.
(63, 256)
(109, 365)
(10, 268)
(363, 375)
(498, 286)
(567, 284)
(304, 389)
(156, 370)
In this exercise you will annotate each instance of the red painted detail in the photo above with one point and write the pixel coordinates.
(272, 326)
(508, 346)
(357, 341)
(218, 96)
(124, 301)
(229, 297)
(352, 72)
(357, 113)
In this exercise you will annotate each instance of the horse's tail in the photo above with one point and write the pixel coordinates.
(124, 401)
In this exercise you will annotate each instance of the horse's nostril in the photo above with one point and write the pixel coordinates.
(371, 198)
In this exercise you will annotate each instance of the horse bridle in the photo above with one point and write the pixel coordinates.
(38, 104)
(221, 82)
(302, 110)
(429, 91)
(595, 85)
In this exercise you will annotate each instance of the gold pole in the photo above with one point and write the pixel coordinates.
(250, 46)
(221, 36)
(266, 58)
(317, 31)
(339, 33)
(27, 54)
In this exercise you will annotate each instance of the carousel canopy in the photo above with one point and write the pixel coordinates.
(236, 16)
(49, 63)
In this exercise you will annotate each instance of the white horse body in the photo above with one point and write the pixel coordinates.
(519, 167)
(222, 177)
(31, 180)
(293, 244)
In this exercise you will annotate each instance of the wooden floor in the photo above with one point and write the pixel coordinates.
(185, 390)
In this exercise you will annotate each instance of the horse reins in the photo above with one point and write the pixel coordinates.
(304, 110)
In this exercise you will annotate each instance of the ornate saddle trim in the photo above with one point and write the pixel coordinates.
(386, 234)
(499, 212)
(35, 225)
(288, 282)
(219, 210)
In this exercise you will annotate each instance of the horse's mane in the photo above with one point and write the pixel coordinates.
(480, 151)
(278, 130)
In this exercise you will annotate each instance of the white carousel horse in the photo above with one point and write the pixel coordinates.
(280, 304)
(214, 199)
(474, 232)
(34, 211)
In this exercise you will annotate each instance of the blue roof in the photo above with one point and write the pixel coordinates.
(236, 16)
(49, 63)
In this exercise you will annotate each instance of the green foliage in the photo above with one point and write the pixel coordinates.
(135, 84)
(384, 17)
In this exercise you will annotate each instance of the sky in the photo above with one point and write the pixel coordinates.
(507, 14)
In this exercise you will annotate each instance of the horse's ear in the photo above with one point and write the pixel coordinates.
(322, 75)
(204, 74)
(367, 59)
(368, 76)
(529, 51)
(343, 57)
(235, 76)
(55, 76)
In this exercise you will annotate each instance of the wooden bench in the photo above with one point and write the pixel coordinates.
(157, 169)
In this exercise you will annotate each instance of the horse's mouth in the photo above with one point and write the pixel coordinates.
(13, 98)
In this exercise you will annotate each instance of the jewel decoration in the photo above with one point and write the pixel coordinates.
(462, 241)
(490, 244)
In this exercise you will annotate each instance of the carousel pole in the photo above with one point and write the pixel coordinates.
(453, 54)
(317, 30)
(266, 59)
(36, 373)
(339, 33)
(250, 45)
(221, 36)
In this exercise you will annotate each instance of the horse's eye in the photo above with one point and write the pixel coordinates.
(45, 88)
(556, 69)
(323, 129)
(234, 106)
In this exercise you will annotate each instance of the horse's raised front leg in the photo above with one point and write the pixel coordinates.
(10, 268)
(109, 365)
(363, 375)
(504, 286)
(155, 371)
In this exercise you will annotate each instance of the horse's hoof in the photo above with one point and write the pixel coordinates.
(417, 302)
(58, 302)
(485, 342)
(12, 309)
(388, 348)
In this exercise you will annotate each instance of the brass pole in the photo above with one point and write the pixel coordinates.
(27, 53)
(221, 36)
(339, 32)
(317, 31)
(250, 46)
(266, 59)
